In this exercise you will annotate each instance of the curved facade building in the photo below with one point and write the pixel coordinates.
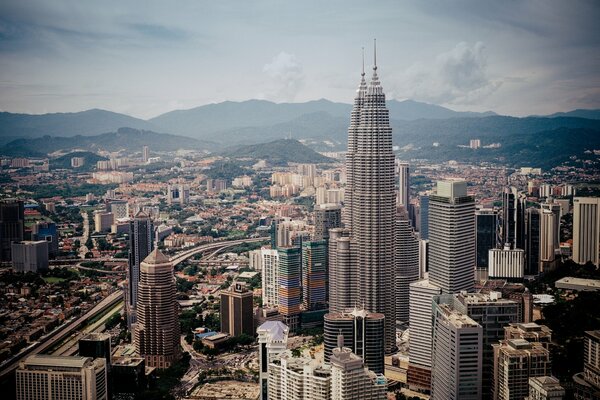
(363, 333)
(156, 332)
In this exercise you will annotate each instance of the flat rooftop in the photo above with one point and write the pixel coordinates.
(43, 360)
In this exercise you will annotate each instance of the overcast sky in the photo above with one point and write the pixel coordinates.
(144, 58)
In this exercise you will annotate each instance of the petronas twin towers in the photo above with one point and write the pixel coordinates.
(370, 213)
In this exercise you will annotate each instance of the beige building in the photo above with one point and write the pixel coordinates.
(44, 377)
(156, 332)
(586, 230)
(545, 388)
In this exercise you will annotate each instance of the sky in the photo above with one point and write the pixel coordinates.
(144, 58)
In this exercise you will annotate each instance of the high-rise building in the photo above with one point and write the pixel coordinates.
(407, 270)
(506, 263)
(531, 332)
(290, 290)
(363, 333)
(270, 277)
(513, 217)
(141, 243)
(452, 237)
(314, 275)
(403, 173)
(237, 315)
(420, 317)
(178, 194)
(424, 213)
(272, 341)
(96, 345)
(586, 230)
(46, 230)
(342, 271)
(12, 220)
(156, 331)
(351, 380)
(370, 168)
(456, 363)
(545, 388)
(548, 239)
(554, 206)
(58, 377)
(587, 383)
(30, 256)
(327, 216)
(77, 162)
(145, 154)
(128, 377)
(298, 378)
(487, 227)
(515, 361)
(532, 245)
(118, 208)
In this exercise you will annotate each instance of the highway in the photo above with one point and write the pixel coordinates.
(217, 246)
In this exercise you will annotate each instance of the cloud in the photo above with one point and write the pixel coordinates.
(458, 76)
(286, 77)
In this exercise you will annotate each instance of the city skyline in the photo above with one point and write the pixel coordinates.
(59, 56)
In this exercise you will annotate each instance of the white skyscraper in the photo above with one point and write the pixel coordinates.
(586, 230)
(272, 341)
(270, 277)
(407, 270)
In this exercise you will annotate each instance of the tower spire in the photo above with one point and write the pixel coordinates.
(363, 62)
(375, 54)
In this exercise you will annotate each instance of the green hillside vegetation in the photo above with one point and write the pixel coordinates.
(279, 152)
(64, 162)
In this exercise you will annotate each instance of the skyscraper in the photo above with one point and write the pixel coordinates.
(270, 277)
(141, 243)
(513, 217)
(12, 219)
(424, 212)
(145, 154)
(237, 310)
(342, 272)
(362, 332)
(456, 353)
(370, 168)
(327, 216)
(314, 275)
(272, 341)
(290, 292)
(156, 331)
(532, 245)
(548, 239)
(487, 222)
(452, 237)
(586, 230)
(407, 271)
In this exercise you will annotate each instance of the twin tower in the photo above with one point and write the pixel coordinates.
(363, 255)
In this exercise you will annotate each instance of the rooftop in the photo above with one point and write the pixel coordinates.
(56, 361)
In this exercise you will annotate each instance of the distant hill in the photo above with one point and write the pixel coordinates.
(579, 113)
(411, 110)
(123, 138)
(278, 152)
(90, 122)
(64, 162)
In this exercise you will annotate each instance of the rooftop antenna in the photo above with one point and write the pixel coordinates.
(375, 54)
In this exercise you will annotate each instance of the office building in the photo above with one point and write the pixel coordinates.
(493, 312)
(96, 345)
(342, 271)
(515, 361)
(272, 341)
(424, 214)
(513, 217)
(548, 239)
(58, 377)
(403, 174)
(289, 288)
(587, 383)
(351, 379)
(371, 189)
(586, 230)
(314, 275)
(419, 370)
(327, 216)
(145, 154)
(12, 220)
(407, 270)
(178, 194)
(456, 363)
(532, 244)
(452, 237)
(118, 208)
(156, 331)
(506, 263)
(298, 378)
(552, 205)
(128, 378)
(363, 334)
(423, 258)
(30, 256)
(531, 332)
(141, 243)
(545, 388)
(270, 277)
(46, 230)
(103, 221)
(237, 316)
(487, 227)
